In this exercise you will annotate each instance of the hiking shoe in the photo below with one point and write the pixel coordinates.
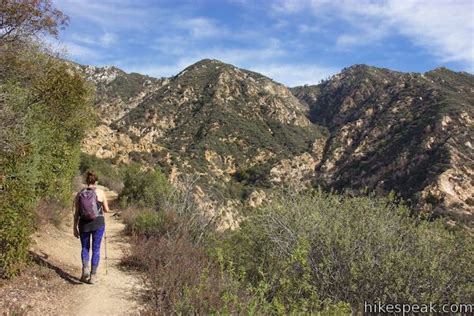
(85, 274)
(93, 278)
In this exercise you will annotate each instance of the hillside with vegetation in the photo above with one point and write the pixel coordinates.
(364, 130)
(303, 253)
(392, 147)
(404, 132)
(237, 130)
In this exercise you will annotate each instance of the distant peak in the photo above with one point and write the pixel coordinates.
(204, 66)
(440, 70)
(360, 68)
(209, 62)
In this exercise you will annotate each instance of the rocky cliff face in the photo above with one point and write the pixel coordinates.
(227, 125)
(411, 133)
(243, 134)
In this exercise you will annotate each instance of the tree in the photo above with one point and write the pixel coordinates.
(21, 19)
(45, 110)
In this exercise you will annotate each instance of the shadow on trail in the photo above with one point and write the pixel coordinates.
(42, 260)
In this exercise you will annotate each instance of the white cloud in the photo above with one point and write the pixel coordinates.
(80, 51)
(186, 53)
(201, 27)
(295, 75)
(305, 28)
(83, 39)
(104, 40)
(444, 28)
(363, 34)
(172, 45)
(108, 14)
(108, 39)
(241, 56)
(289, 6)
(156, 71)
(70, 49)
(289, 74)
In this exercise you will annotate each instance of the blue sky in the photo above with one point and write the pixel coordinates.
(294, 42)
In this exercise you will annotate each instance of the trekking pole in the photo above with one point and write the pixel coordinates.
(105, 248)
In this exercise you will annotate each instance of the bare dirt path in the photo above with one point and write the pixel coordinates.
(115, 293)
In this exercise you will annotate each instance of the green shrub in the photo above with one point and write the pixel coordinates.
(144, 188)
(255, 175)
(150, 223)
(45, 109)
(16, 221)
(187, 274)
(311, 249)
(60, 114)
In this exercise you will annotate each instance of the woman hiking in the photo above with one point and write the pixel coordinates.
(90, 205)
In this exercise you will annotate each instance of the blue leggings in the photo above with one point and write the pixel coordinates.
(86, 245)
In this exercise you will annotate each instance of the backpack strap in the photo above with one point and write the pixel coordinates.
(100, 205)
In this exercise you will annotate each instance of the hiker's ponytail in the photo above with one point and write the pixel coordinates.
(91, 177)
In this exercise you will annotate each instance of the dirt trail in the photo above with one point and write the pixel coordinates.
(115, 293)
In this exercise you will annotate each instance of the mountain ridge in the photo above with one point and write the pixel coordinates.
(229, 126)
(417, 127)
(344, 133)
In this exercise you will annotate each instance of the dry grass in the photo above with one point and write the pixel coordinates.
(168, 245)
(182, 278)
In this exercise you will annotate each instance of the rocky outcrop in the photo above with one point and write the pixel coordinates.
(364, 129)
(212, 120)
(296, 173)
(407, 132)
